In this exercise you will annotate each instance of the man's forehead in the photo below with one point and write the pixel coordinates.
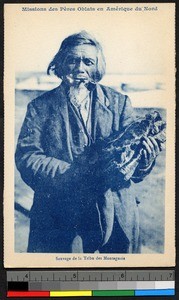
(84, 49)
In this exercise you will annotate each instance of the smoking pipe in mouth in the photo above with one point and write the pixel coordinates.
(78, 79)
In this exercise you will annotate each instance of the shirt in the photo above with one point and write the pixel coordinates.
(84, 110)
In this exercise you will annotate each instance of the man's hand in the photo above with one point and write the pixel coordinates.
(151, 150)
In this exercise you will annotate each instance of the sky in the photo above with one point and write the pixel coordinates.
(133, 42)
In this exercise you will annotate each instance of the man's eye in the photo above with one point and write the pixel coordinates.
(71, 61)
(88, 62)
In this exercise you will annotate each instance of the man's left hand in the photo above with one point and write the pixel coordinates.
(151, 150)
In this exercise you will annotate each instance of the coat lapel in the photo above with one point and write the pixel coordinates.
(102, 116)
(61, 124)
(102, 119)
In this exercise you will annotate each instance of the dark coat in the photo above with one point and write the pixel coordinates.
(66, 215)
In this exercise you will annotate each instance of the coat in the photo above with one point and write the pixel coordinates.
(66, 214)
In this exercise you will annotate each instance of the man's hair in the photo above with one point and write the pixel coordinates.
(81, 38)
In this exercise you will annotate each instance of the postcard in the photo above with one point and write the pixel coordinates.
(89, 92)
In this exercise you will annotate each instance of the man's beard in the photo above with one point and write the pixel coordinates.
(78, 93)
(78, 90)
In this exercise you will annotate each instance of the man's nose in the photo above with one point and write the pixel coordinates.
(80, 66)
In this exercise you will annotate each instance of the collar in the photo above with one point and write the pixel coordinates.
(95, 88)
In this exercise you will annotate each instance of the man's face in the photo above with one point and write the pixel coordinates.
(80, 65)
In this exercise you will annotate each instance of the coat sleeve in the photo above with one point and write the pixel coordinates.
(36, 168)
(128, 116)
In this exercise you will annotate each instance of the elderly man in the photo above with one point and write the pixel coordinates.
(76, 208)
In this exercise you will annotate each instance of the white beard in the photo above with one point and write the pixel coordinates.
(78, 93)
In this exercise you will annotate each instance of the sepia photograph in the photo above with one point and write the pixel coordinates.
(89, 135)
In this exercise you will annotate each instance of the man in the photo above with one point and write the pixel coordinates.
(76, 208)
